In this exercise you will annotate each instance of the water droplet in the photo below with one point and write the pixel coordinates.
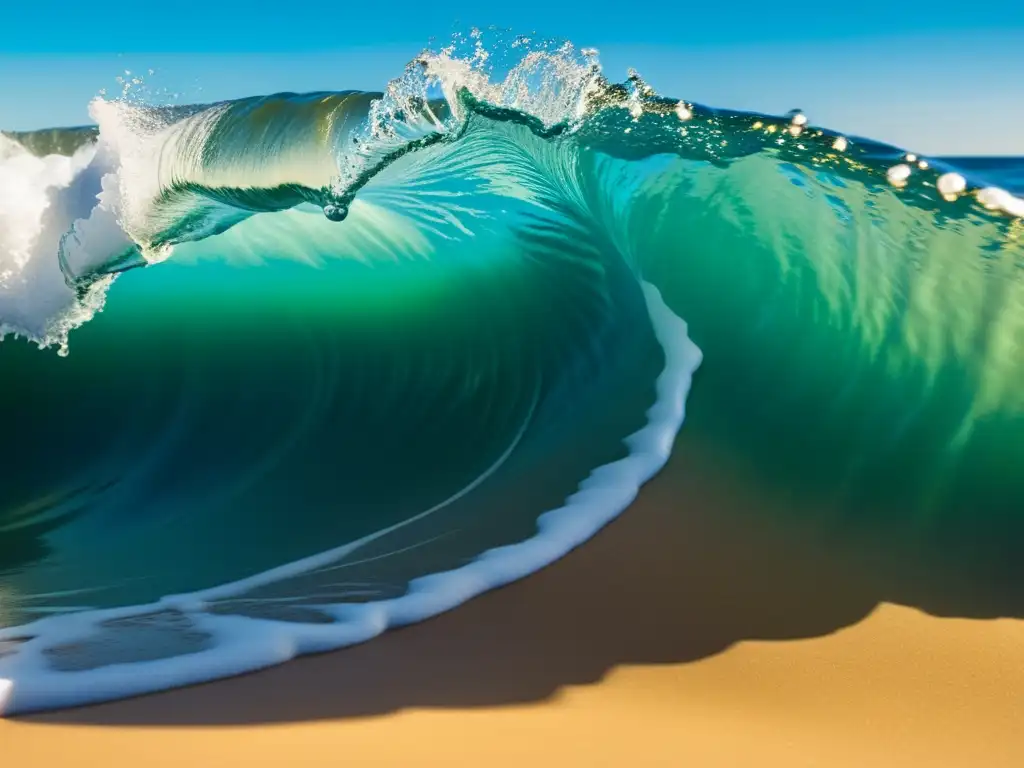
(951, 184)
(995, 198)
(840, 144)
(898, 174)
(991, 197)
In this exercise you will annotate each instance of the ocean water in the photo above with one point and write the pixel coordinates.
(284, 372)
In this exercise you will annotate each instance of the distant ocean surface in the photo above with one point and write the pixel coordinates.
(283, 372)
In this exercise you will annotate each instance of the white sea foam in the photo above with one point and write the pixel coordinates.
(85, 209)
(39, 198)
(29, 682)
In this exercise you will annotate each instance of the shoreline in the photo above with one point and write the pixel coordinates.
(689, 629)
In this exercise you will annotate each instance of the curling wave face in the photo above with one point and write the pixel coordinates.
(391, 350)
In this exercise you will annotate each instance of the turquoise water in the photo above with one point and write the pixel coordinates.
(418, 321)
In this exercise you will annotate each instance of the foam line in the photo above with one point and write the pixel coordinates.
(243, 644)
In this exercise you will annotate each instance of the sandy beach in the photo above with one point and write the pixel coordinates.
(690, 632)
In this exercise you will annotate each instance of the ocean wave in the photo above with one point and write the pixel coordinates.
(414, 320)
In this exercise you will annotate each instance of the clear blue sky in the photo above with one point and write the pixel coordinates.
(937, 77)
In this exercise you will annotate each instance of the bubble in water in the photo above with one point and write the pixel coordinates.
(335, 212)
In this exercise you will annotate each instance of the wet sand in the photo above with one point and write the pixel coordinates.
(692, 631)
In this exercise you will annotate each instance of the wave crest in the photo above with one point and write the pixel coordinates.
(476, 276)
